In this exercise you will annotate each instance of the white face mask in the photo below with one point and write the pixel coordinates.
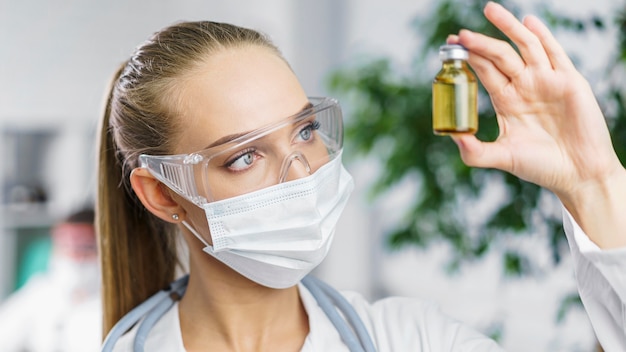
(76, 276)
(277, 235)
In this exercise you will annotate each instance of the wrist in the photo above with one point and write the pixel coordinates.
(599, 207)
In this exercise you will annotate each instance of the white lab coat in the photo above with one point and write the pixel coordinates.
(407, 324)
(43, 317)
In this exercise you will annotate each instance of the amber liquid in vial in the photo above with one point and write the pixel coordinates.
(454, 99)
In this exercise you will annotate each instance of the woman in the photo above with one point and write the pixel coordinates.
(207, 132)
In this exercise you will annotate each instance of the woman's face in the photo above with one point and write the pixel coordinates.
(235, 91)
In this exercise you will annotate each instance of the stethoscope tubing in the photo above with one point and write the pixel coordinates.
(346, 334)
(153, 317)
(138, 312)
(348, 311)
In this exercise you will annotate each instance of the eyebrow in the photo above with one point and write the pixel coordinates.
(231, 137)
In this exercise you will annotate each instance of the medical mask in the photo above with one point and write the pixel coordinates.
(76, 275)
(277, 235)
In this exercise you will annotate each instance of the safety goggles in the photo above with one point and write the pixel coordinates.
(255, 160)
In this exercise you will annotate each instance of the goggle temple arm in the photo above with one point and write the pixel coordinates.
(176, 173)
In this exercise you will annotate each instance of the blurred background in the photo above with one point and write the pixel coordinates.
(488, 248)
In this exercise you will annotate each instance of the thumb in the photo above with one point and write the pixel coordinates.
(476, 153)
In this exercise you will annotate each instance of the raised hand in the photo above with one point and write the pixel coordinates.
(552, 131)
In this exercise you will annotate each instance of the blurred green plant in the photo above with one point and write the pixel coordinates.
(390, 119)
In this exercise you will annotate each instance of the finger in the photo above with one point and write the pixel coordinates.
(499, 52)
(556, 54)
(527, 42)
(452, 39)
(489, 75)
(484, 68)
(476, 153)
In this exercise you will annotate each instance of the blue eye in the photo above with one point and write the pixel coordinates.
(307, 132)
(241, 162)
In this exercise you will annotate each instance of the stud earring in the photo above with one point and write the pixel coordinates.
(175, 217)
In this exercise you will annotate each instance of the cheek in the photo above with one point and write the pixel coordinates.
(197, 219)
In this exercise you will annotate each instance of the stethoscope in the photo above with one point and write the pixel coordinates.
(350, 327)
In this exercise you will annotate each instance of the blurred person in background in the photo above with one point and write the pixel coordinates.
(59, 309)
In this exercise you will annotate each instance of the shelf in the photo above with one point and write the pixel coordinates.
(22, 216)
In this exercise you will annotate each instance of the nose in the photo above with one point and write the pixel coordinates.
(294, 166)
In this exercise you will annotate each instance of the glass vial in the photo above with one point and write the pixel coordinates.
(454, 93)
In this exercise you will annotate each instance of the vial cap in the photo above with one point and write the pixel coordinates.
(452, 52)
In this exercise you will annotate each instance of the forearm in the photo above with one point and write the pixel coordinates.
(600, 209)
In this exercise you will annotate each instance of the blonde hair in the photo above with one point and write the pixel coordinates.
(137, 249)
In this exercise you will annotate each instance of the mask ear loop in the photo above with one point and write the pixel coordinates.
(195, 233)
(284, 170)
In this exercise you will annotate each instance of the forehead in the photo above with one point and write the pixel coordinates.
(234, 91)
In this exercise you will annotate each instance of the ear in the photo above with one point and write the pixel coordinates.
(155, 196)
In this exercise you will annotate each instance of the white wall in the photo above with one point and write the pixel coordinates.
(55, 61)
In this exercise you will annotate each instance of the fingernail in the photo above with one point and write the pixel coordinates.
(452, 38)
(457, 140)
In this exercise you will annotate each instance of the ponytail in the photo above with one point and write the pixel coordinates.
(137, 250)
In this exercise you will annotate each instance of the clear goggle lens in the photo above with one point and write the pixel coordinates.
(290, 148)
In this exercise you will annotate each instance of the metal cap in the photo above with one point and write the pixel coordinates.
(452, 52)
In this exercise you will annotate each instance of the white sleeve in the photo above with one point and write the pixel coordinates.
(18, 313)
(601, 278)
